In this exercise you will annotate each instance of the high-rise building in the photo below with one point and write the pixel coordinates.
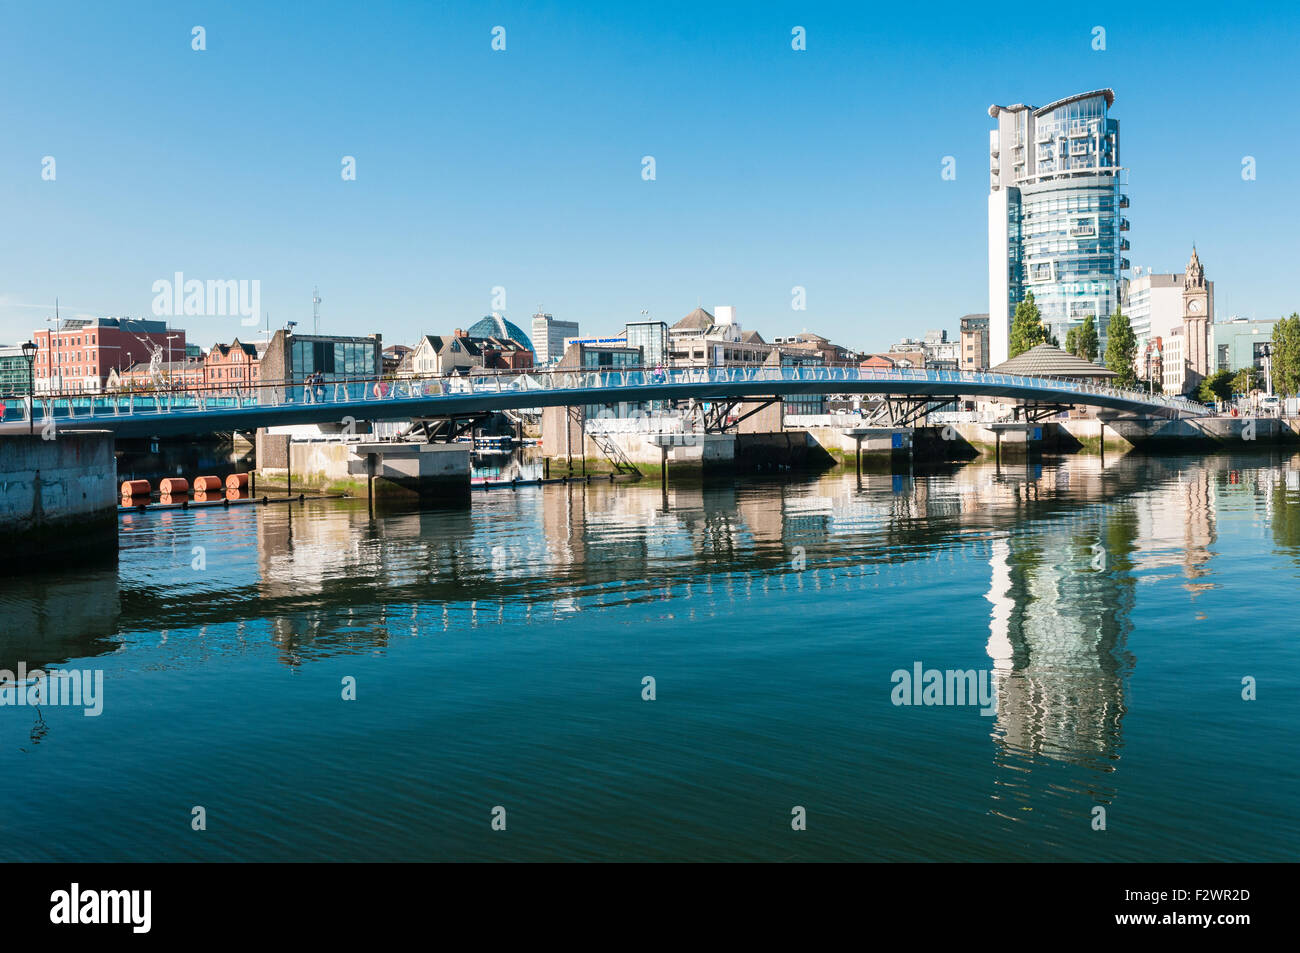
(1055, 215)
(549, 335)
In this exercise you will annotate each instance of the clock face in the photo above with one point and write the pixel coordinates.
(1194, 307)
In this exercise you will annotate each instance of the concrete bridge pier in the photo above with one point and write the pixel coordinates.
(425, 472)
(58, 500)
(1018, 436)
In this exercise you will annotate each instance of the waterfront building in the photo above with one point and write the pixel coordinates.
(1151, 360)
(495, 326)
(974, 342)
(289, 359)
(1056, 226)
(548, 337)
(905, 360)
(702, 340)
(77, 354)
(1158, 303)
(13, 371)
(876, 362)
(1239, 343)
(1153, 303)
(425, 358)
(651, 337)
(396, 360)
(940, 353)
(464, 353)
(231, 368)
(815, 344)
(1173, 365)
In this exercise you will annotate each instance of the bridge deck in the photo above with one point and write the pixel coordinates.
(205, 411)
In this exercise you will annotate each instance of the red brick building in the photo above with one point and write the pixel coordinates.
(79, 356)
(231, 367)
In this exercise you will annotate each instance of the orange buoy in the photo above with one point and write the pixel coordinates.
(204, 484)
(174, 485)
(135, 488)
(237, 481)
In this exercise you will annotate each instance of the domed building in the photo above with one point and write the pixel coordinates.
(495, 326)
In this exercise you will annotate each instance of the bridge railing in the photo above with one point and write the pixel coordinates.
(363, 390)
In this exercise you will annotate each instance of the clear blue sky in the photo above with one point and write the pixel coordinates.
(522, 168)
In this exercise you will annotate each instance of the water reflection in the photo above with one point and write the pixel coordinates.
(1039, 571)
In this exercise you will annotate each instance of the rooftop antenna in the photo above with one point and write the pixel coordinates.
(315, 310)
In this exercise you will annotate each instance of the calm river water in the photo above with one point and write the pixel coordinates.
(500, 656)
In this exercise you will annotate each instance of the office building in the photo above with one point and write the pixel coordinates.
(1240, 342)
(1056, 226)
(548, 337)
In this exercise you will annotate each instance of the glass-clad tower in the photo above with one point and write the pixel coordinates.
(1056, 215)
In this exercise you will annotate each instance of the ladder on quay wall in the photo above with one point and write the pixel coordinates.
(606, 444)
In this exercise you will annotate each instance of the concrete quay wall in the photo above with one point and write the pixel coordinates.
(58, 500)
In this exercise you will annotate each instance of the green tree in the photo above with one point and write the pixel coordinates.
(1218, 386)
(1027, 327)
(1121, 349)
(1072, 341)
(1089, 343)
(1246, 380)
(1286, 355)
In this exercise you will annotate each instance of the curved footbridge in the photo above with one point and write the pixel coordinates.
(58, 471)
(199, 411)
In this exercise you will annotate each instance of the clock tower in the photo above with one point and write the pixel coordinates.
(1198, 313)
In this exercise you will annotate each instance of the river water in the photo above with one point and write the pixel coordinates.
(500, 657)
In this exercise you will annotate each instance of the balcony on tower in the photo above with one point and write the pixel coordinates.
(1123, 201)
(1123, 225)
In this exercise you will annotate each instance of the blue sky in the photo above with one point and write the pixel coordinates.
(522, 169)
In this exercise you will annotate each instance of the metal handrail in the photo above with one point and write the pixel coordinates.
(371, 389)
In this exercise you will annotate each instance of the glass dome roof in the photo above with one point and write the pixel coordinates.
(495, 326)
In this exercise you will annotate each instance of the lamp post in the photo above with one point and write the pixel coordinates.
(29, 354)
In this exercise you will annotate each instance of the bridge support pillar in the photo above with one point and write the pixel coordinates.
(58, 500)
(429, 472)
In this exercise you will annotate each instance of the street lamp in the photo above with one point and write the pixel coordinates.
(29, 354)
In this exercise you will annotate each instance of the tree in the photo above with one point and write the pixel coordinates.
(1286, 355)
(1089, 343)
(1072, 341)
(1245, 381)
(1218, 386)
(1027, 327)
(1121, 349)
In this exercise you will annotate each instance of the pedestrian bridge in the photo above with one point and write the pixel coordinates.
(214, 409)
